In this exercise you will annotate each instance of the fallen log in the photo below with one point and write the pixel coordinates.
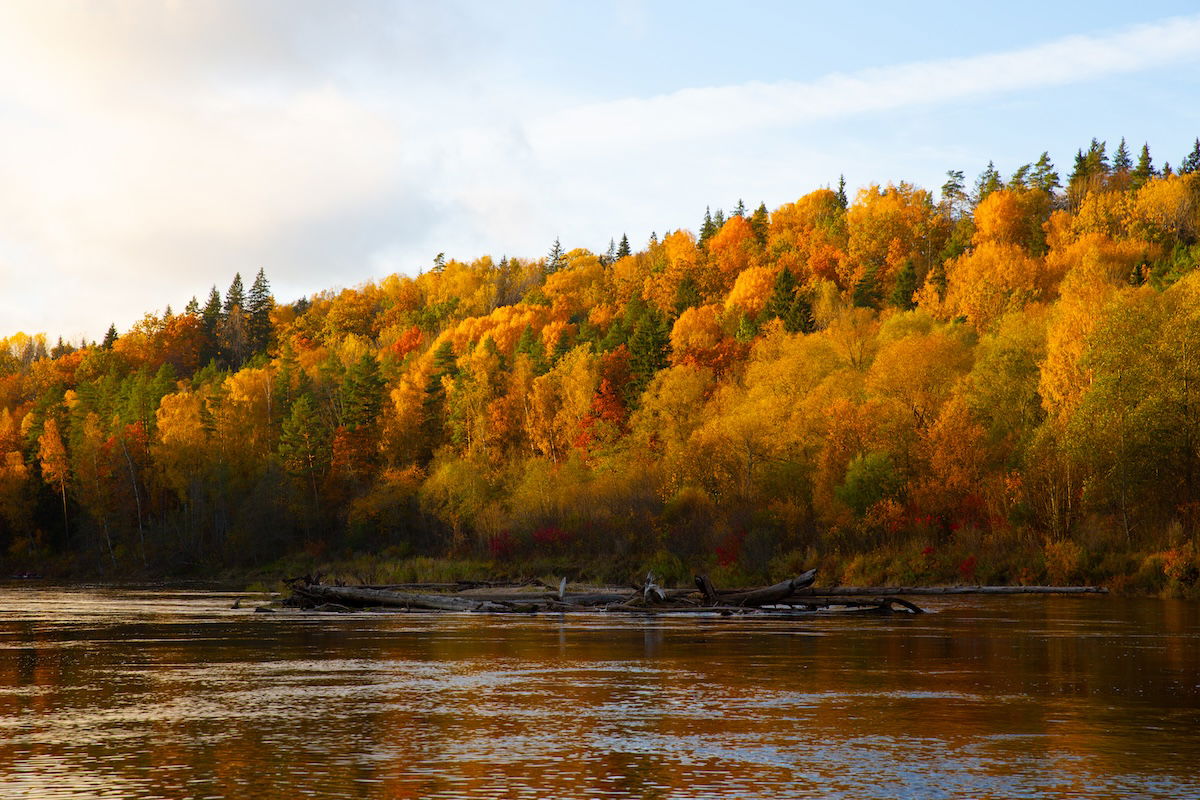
(876, 591)
(359, 597)
(755, 597)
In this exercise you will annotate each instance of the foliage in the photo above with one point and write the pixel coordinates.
(998, 386)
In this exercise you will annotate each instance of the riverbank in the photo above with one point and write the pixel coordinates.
(1170, 571)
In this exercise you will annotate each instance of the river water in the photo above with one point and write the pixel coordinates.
(172, 694)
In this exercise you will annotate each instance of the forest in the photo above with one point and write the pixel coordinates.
(997, 383)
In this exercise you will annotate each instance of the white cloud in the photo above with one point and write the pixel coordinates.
(151, 149)
(722, 111)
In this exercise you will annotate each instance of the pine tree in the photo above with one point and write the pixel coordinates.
(989, 181)
(954, 196)
(193, 307)
(1121, 160)
(259, 305)
(1020, 178)
(1191, 162)
(623, 249)
(1144, 170)
(439, 262)
(1044, 176)
(304, 443)
(110, 338)
(555, 260)
(362, 393)
(740, 209)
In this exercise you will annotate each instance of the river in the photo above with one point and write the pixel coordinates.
(121, 693)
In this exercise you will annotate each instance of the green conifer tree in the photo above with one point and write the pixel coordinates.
(1044, 176)
(1191, 162)
(259, 305)
(760, 222)
(555, 260)
(1144, 170)
(687, 295)
(1121, 160)
(906, 286)
(989, 181)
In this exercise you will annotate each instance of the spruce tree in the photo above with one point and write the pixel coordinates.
(623, 249)
(1121, 160)
(555, 260)
(193, 307)
(210, 321)
(649, 347)
(740, 209)
(110, 338)
(1097, 159)
(1191, 162)
(782, 295)
(259, 304)
(842, 200)
(708, 227)
(235, 297)
(1144, 170)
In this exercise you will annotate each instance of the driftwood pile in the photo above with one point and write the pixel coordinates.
(790, 596)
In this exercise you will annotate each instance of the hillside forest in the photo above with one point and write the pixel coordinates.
(999, 383)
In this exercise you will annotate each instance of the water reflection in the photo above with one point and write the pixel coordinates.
(174, 695)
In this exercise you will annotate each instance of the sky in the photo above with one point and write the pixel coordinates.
(151, 149)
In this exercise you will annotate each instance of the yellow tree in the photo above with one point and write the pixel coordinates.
(990, 280)
(887, 228)
(56, 467)
(560, 400)
(808, 237)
